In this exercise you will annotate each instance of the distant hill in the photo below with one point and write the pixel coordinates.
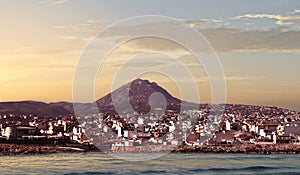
(134, 95)
(35, 108)
(138, 93)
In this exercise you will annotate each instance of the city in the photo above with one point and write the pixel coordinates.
(240, 124)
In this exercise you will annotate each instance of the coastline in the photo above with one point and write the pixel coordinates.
(243, 148)
(28, 149)
(238, 148)
(33, 149)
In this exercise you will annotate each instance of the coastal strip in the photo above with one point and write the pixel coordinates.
(28, 149)
(229, 148)
(24, 149)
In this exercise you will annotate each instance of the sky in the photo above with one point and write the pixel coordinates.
(257, 42)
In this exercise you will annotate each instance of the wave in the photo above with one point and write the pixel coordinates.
(153, 172)
(250, 168)
(89, 173)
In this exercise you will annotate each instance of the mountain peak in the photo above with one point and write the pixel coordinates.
(140, 81)
(138, 92)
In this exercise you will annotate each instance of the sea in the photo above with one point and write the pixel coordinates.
(172, 163)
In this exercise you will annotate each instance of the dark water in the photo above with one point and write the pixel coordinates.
(168, 164)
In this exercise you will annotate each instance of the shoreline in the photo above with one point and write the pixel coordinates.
(263, 149)
(238, 148)
(243, 149)
(34, 149)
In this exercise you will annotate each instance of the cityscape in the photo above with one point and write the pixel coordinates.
(149, 87)
(110, 132)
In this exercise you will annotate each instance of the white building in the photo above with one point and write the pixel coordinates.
(228, 125)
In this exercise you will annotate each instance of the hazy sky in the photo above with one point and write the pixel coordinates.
(258, 43)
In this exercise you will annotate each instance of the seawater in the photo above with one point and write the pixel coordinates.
(92, 163)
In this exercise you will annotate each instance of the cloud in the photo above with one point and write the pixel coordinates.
(54, 2)
(142, 64)
(229, 40)
(241, 78)
(153, 43)
(79, 34)
(207, 23)
(97, 20)
(273, 40)
(60, 1)
(287, 22)
(69, 37)
(291, 18)
(270, 16)
(222, 37)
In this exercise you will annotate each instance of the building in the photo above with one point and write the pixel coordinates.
(18, 132)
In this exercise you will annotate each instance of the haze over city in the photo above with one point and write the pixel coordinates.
(257, 43)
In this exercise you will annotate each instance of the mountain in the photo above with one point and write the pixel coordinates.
(134, 96)
(137, 95)
(34, 108)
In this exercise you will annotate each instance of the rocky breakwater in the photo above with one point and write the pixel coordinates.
(21, 149)
(242, 148)
(142, 149)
